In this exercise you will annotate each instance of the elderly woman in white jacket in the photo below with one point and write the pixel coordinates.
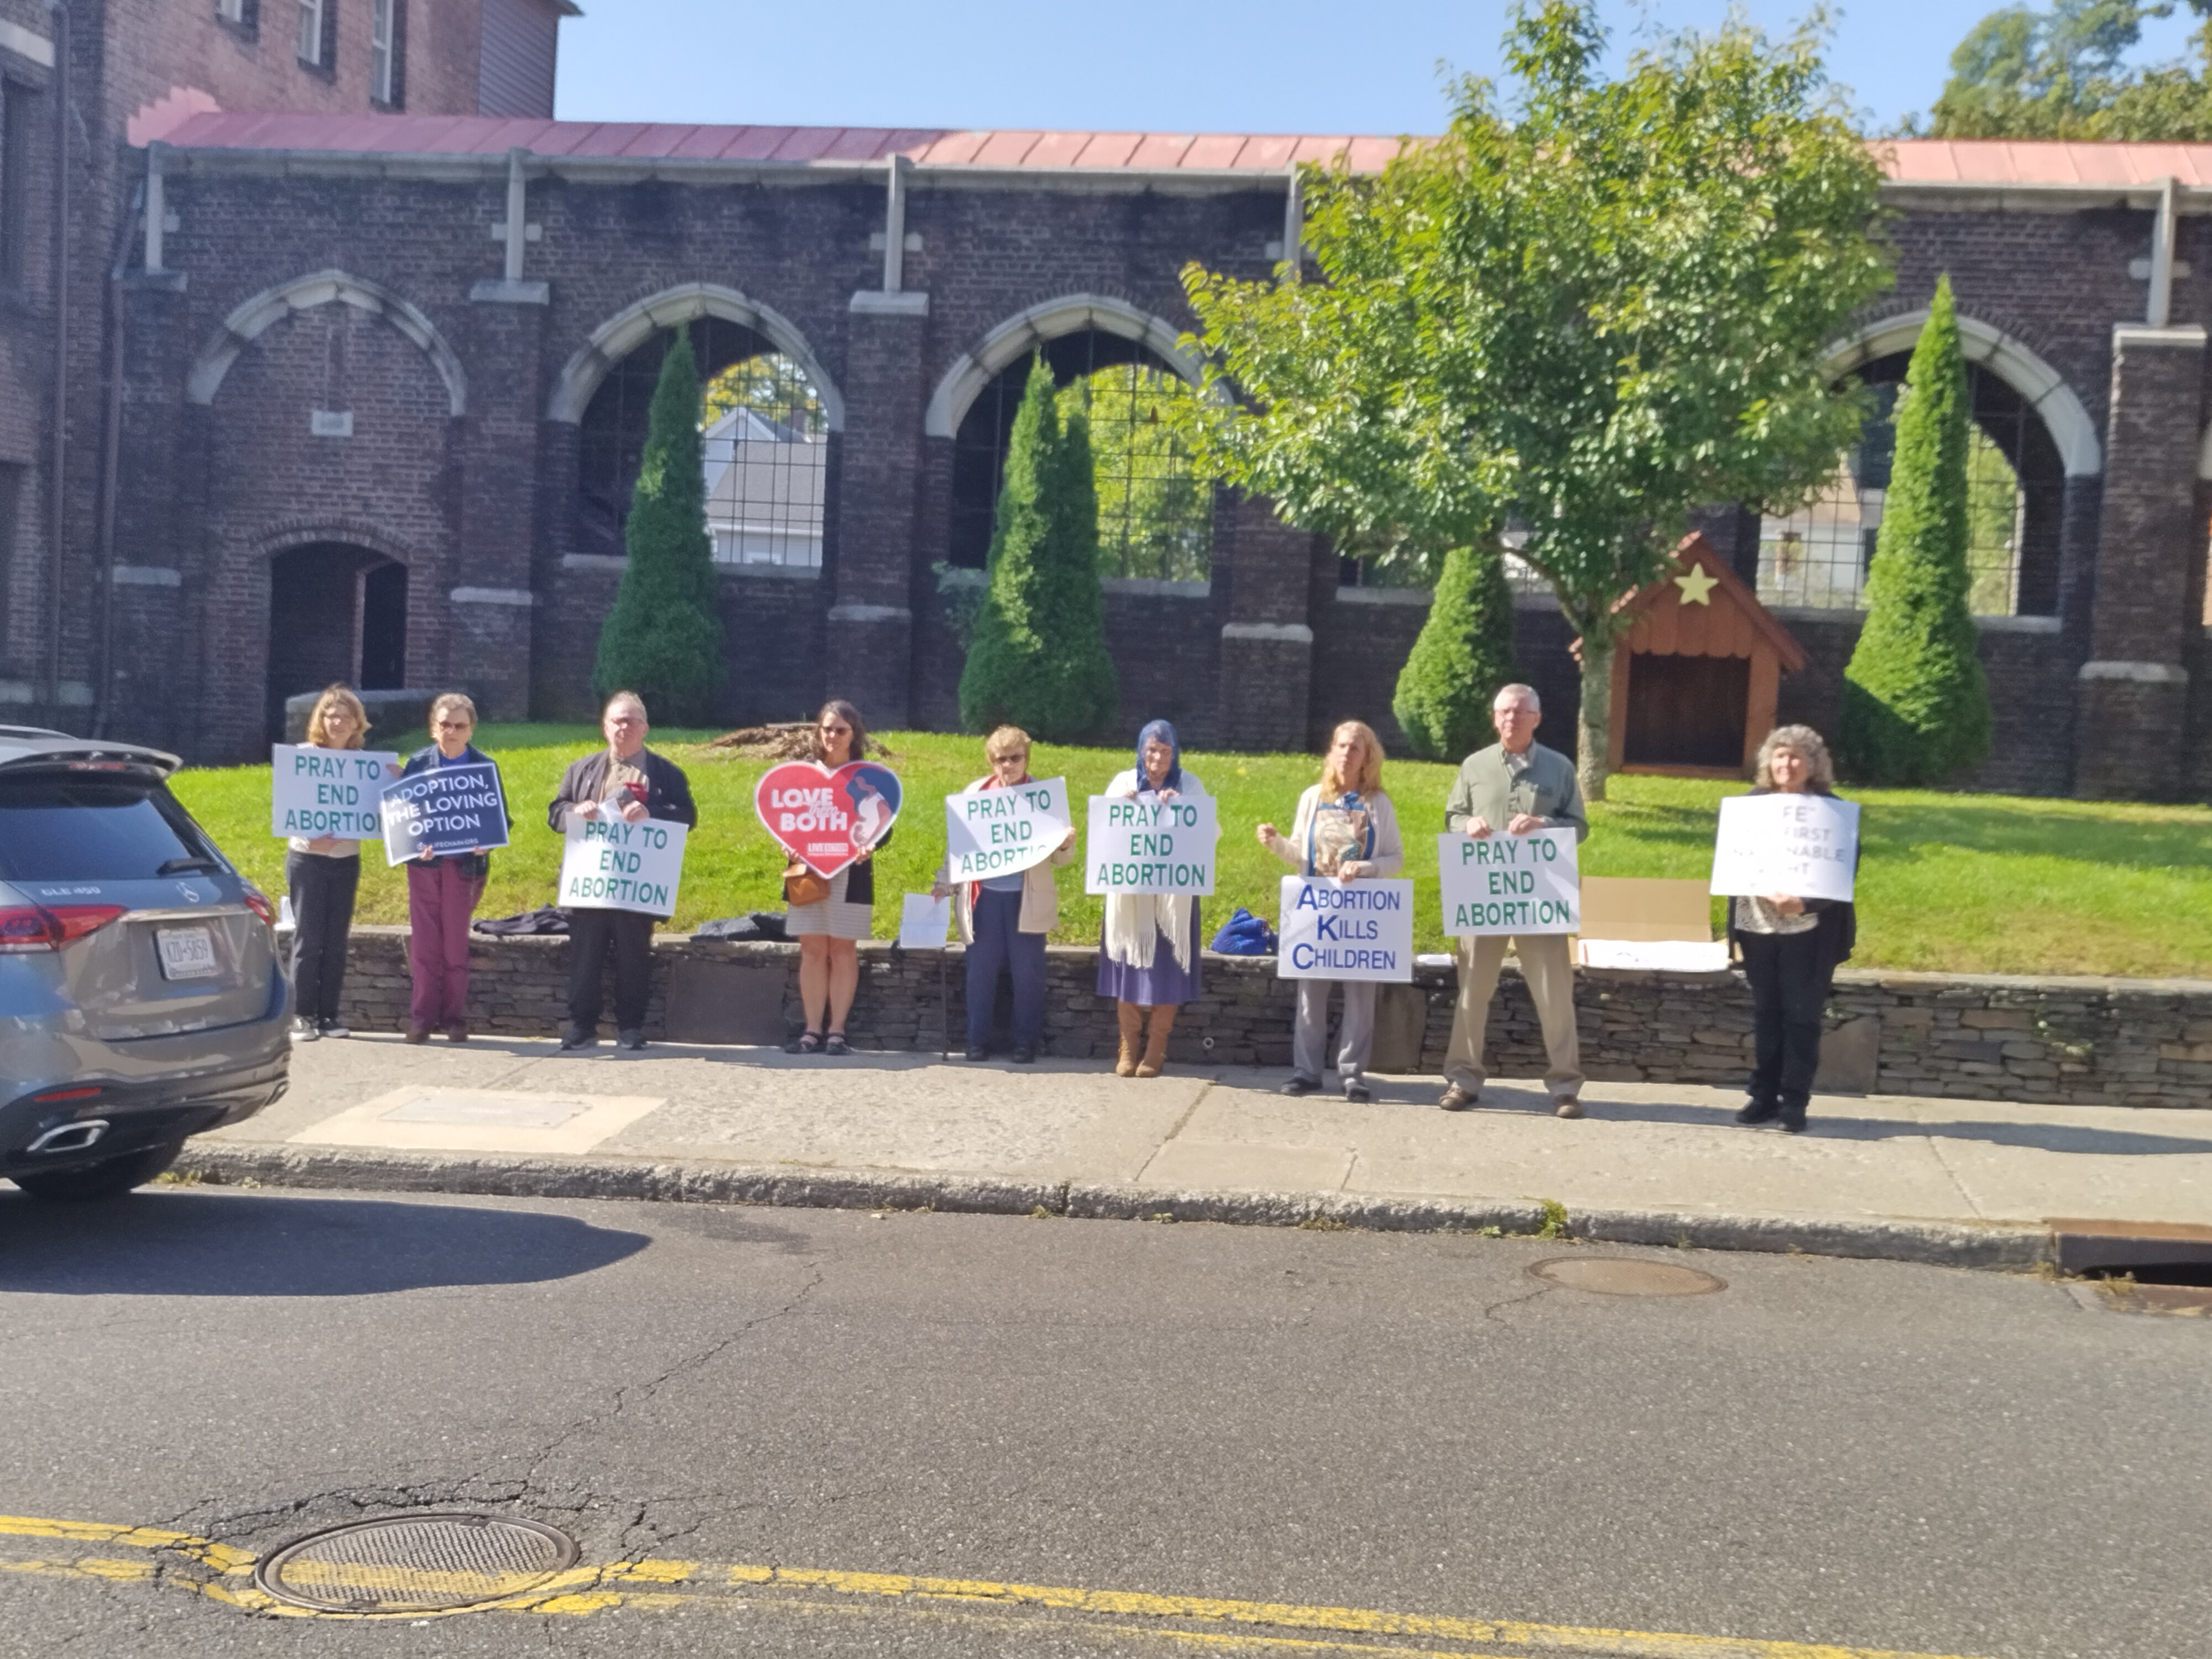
(1148, 946)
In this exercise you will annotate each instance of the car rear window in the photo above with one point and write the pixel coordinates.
(56, 828)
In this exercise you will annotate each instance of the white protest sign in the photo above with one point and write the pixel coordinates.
(1804, 845)
(1149, 846)
(609, 864)
(997, 832)
(924, 922)
(1502, 884)
(1333, 929)
(328, 791)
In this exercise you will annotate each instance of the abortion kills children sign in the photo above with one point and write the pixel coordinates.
(997, 832)
(327, 792)
(1334, 929)
(826, 820)
(609, 864)
(1805, 845)
(1149, 846)
(1502, 883)
(447, 809)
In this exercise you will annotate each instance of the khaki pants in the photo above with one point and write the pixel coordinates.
(1551, 976)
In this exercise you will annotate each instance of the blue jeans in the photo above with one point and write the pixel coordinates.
(1000, 943)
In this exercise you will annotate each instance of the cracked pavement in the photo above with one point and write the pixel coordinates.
(1871, 1454)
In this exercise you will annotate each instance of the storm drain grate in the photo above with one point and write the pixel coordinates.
(415, 1563)
(1626, 1275)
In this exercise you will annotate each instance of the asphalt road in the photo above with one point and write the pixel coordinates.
(1868, 1455)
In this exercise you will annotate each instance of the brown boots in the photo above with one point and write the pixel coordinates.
(1133, 1037)
(1156, 1041)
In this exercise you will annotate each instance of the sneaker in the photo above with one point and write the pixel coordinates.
(304, 1031)
(1356, 1092)
(1568, 1107)
(1024, 1054)
(1760, 1111)
(1456, 1099)
(1299, 1085)
(579, 1037)
(629, 1038)
(331, 1027)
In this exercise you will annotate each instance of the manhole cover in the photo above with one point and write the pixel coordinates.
(1626, 1275)
(415, 1563)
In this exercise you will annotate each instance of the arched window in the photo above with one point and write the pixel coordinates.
(1818, 556)
(1155, 514)
(766, 439)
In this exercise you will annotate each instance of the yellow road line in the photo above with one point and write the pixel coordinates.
(584, 1590)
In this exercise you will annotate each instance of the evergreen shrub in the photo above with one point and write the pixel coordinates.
(1463, 655)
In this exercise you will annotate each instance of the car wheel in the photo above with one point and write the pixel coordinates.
(110, 1178)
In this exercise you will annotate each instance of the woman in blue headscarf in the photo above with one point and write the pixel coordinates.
(1148, 953)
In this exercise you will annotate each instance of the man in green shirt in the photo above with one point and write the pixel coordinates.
(1514, 787)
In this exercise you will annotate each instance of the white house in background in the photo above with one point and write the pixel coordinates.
(764, 490)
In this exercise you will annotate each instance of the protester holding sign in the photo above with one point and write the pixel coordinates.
(1791, 947)
(1148, 944)
(322, 874)
(827, 914)
(1345, 828)
(623, 781)
(1514, 788)
(443, 888)
(1004, 918)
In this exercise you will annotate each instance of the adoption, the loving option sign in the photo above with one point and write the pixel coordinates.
(447, 809)
(609, 864)
(1502, 883)
(1804, 845)
(997, 832)
(1149, 846)
(1332, 929)
(826, 820)
(328, 791)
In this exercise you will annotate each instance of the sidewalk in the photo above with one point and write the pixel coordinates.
(1970, 1183)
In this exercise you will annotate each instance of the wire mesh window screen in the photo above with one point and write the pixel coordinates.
(766, 444)
(1155, 515)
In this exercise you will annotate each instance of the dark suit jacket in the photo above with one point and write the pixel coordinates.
(667, 791)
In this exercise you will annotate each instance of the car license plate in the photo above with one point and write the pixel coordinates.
(186, 953)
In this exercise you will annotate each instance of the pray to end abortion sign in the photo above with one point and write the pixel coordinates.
(609, 864)
(1334, 929)
(1149, 846)
(327, 792)
(1502, 884)
(1804, 845)
(997, 832)
(447, 809)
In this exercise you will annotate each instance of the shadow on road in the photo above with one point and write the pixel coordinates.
(212, 1244)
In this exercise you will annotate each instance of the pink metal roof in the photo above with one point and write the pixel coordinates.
(2001, 162)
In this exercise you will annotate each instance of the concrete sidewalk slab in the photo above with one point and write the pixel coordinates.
(1944, 1180)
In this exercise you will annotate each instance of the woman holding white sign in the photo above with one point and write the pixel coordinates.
(1791, 947)
(1345, 828)
(1148, 944)
(322, 875)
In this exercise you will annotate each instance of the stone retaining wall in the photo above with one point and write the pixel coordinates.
(2083, 1041)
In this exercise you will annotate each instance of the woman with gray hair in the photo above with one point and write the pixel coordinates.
(1790, 946)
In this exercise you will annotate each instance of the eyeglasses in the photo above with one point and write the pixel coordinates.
(455, 726)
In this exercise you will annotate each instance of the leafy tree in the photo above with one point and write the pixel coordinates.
(2061, 74)
(1598, 314)
(1916, 706)
(1038, 656)
(664, 638)
(1464, 653)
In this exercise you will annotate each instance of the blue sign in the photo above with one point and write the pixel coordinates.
(447, 809)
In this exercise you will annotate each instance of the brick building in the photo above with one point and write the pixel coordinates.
(385, 375)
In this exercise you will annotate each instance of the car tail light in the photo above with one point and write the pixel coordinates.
(25, 927)
(258, 901)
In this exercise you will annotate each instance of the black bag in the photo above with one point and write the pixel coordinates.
(727, 928)
(544, 920)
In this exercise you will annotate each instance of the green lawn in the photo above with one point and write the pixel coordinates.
(1977, 884)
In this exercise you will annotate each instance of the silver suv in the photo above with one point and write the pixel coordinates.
(141, 1000)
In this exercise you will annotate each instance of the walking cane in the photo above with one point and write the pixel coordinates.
(944, 1009)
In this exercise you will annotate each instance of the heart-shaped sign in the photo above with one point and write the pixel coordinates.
(826, 820)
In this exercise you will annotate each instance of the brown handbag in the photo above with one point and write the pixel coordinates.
(802, 886)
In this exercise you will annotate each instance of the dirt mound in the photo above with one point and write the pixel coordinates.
(784, 740)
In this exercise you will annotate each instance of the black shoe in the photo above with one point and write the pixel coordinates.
(580, 1036)
(1760, 1111)
(1299, 1085)
(629, 1038)
(1793, 1120)
(1356, 1092)
(332, 1028)
(977, 1051)
(1024, 1054)
(835, 1045)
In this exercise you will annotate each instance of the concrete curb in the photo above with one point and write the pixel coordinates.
(2003, 1246)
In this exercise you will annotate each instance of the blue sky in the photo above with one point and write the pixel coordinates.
(1168, 65)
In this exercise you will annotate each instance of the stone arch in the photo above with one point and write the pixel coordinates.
(631, 327)
(2044, 388)
(964, 381)
(251, 320)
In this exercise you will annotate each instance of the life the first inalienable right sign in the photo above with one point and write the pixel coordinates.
(1807, 845)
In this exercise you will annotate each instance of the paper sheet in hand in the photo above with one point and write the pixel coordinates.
(924, 921)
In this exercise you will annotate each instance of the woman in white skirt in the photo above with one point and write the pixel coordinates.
(827, 925)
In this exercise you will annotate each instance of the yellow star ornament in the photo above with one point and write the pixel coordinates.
(1697, 586)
